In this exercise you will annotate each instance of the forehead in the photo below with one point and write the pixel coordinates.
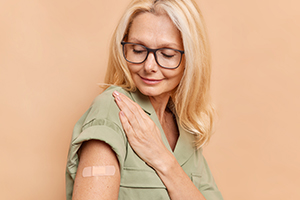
(154, 29)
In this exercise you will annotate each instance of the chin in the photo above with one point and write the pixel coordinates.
(147, 92)
(153, 92)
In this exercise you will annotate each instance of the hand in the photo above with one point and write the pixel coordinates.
(142, 133)
(145, 139)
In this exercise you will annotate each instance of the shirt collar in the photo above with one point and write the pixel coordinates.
(185, 146)
(143, 101)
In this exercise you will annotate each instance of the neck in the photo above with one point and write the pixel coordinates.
(160, 104)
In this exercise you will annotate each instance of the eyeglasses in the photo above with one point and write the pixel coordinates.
(165, 57)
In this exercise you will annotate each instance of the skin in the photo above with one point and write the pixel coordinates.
(153, 31)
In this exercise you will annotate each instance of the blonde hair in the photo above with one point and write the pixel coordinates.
(191, 100)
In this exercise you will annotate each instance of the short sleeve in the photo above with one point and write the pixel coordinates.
(106, 131)
(100, 122)
(99, 131)
(208, 186)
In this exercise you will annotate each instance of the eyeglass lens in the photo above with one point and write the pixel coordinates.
(136, 53)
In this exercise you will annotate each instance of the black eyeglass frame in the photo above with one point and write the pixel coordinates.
(154, 52)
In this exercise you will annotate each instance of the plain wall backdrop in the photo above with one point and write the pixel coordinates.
(54, 52)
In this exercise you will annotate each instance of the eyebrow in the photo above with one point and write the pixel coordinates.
(171, 45)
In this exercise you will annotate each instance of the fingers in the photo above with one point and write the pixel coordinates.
(130, 108)
(131, 118)
(125, 123)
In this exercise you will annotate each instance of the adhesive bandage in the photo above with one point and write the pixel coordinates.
(99, 171)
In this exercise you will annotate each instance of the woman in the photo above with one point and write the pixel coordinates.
(142, 137)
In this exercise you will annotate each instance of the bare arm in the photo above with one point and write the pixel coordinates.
(178, 184)
(96, 153)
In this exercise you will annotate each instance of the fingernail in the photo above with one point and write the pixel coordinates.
(116, 93)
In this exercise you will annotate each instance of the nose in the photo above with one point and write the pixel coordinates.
(150, 64)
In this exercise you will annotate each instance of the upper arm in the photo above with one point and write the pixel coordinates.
(96, 153)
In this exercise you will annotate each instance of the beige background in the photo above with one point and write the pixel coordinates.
(54, 52)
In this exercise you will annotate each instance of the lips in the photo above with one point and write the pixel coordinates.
(150, 81)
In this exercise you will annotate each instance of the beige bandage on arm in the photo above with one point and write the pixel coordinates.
(99, 171)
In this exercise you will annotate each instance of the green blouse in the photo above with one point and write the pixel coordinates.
(138, 180)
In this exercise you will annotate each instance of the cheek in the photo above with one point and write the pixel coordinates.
(176, 74)
(133, 68)
(179, 77)
(174, 79)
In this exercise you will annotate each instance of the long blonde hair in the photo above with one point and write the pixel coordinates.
(191, 100)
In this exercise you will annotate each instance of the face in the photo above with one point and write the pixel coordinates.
(155, 31)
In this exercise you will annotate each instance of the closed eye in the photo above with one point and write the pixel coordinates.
(139, 51)
(167, 55)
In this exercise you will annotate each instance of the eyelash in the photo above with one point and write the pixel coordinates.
(138, 52)
(167, 56)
